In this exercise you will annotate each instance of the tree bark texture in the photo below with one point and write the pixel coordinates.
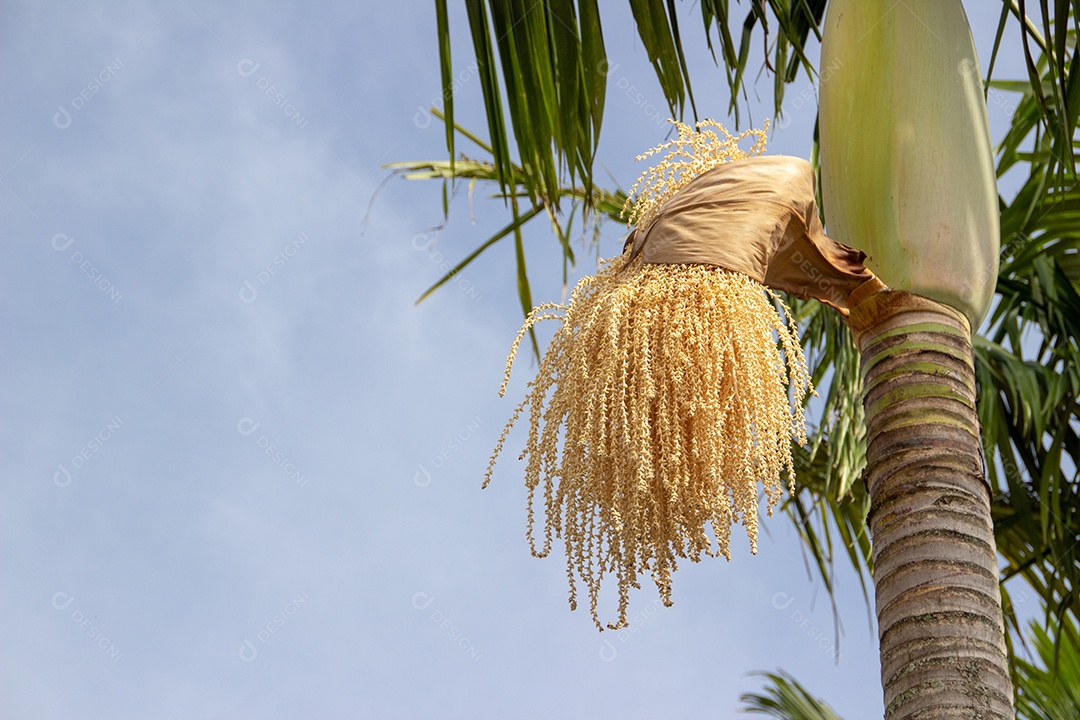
(940, 623)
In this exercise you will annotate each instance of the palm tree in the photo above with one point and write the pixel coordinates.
(546, 64)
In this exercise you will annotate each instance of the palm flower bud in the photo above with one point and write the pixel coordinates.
(907, 168)
(675, 383)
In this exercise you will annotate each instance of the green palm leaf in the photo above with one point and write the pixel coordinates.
(784, 698)
(1049, 689)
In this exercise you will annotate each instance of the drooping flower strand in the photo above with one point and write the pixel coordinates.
(659, 405)
(690, 155)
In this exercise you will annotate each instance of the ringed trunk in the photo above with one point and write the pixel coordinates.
(940, 623)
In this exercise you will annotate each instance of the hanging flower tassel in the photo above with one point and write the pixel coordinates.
(668, 393)
(674, 385)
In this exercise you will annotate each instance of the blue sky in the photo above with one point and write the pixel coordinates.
(241, 469)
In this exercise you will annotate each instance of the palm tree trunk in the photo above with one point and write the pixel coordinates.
(939, 613)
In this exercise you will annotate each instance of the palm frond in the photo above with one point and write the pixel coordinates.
(830, 503)
(545, 65)
(1028, 363)
(1053, 68)
(1049, 687)
(513, 186)
(784, 698)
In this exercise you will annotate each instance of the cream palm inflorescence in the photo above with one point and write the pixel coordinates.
(660, 404)
(689, 155)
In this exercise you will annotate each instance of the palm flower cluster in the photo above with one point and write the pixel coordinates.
(688, 156)
(660, 404)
